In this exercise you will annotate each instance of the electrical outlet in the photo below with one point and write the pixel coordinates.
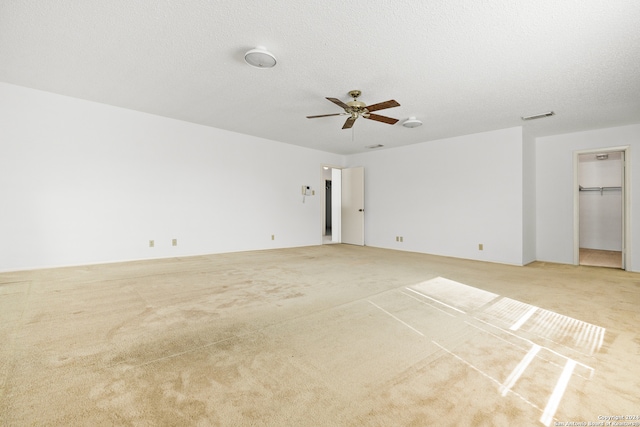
(397, 238)
(480, 247)
(174, 242)
(273, 237)
(401, 239)
(151, 243)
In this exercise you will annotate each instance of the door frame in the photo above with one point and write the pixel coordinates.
(626, 208)
(324, 205)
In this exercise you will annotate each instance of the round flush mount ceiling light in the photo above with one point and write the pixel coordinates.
(260, 57)
(412, 122)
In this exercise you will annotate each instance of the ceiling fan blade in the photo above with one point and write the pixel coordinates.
(350, 121)
(383, 119)
(382, 105)
(338, 102)
(326, 115)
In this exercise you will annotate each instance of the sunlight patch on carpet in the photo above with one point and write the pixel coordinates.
(526, 351)
(461, 296)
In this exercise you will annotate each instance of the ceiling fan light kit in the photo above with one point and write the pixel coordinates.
(412, 122)
(356, 109)
(260, 57)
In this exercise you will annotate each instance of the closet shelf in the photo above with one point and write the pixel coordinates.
(600, 189)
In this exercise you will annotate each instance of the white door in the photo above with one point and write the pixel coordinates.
(353, 206)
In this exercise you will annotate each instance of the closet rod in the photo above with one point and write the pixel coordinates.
(600, 189)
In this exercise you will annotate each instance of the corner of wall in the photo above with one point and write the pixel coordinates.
(528, 197)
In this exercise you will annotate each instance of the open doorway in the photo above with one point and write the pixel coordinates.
(327, 210)
(332, 205)
(344, 192)
(600, 206)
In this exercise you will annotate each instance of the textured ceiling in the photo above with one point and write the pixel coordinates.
(460, 66)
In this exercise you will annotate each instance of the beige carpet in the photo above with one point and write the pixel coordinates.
(331, 335)
(600, 258)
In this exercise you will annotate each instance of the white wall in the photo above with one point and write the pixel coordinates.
(82, 182)
(554, 189)
(445, 197)
(600, 211)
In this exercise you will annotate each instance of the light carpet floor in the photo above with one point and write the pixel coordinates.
(333, 335)
(600, 258)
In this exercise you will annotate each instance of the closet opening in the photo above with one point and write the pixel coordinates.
(601, 208)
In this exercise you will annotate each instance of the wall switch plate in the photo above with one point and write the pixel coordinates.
(151, 243)
(480, 247)
(174, 242)
(273, 237)
(401, 239)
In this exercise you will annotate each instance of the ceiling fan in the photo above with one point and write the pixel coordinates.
(356, 109)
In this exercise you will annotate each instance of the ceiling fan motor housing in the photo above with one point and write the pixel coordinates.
(356, 107)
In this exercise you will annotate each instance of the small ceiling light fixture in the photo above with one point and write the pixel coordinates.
(539, 116)
(603, 156)
(412, 122)
(260, 57)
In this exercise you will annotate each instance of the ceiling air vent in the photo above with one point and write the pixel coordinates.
(374, 146)
(539, 116)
